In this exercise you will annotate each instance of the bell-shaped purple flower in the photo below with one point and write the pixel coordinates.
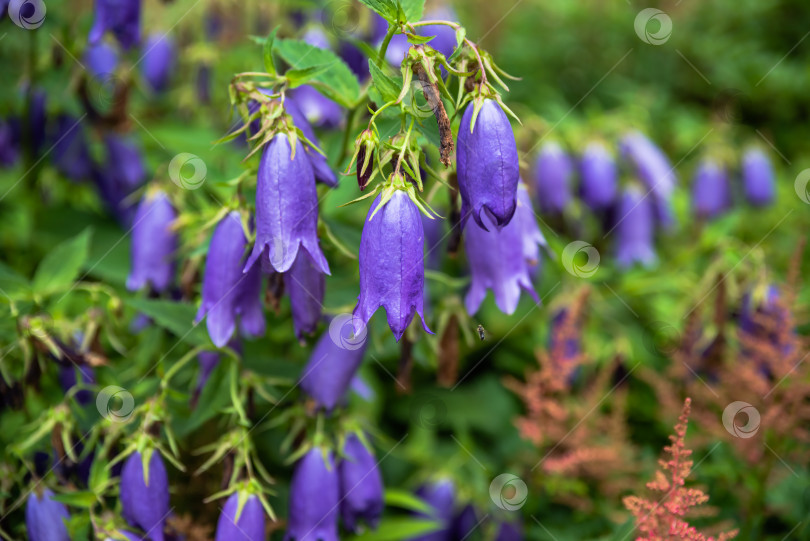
(286, 208)
(228, 292)
(101, 59)
(498, 261)
(635, 230)
(392, 267)
(306, 285)
(510, 531)
(434, 229)
(333, 363)
(465, 523)
(121, 17)
(145, 493)
(599, 176)
(125, 160)
(70, 153)
(45, 517)
(759, 182)
(153, 244)
(553, 170)
(710, 191)
(531, 235)
(320, 167)
(157, 64)
(441, 497)
(361, 485)
(487, 166)
(655, 171)
(314, 498)
(249, 525)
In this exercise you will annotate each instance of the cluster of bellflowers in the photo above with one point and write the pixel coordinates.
(629, 188)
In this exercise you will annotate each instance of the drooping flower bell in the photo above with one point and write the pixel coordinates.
(635, 230)
(70, 153)
(333, 364)
(157, 64)
(531, 235)
(153, 244)
(392, 267)
(229, 293)
(241, 524)
(306, 285)
(599, 176)
(320, 167)
(759, 182)
(487, 166)
(441, 497)
(655, 171)
(553, 171)
(510, 530)
(45, 517)
(101, 59)
(145, 493)
(314, 498)
(318, 109)
(125, 161)
(361, 485)
(710, 191)
(286, 208)
(121, 17)
(465, 523)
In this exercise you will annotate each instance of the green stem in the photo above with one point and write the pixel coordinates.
(392, 29)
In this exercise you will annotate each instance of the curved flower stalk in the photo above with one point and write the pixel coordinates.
(759, 182)
(635, 231)
(488, 171)
(286, 208)
(654, 169)
(45, 517)
(392, 267)
(145, 492)
(600, 176)
(331, 368)
(153, 244)
(361, 485)
(553, 171)
(121, 17)
(159, 59)
(306, 286)
(242, 519)
(314, 498)
(710, 192)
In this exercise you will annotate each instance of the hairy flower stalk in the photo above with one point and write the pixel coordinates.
(314, 498)
(361, 485)
(286, 208)
(759, 182)
(145, 493)
(600, 176)
(635, 231)
(331, 368)
(710, 192)
(241, 522)
(487, 165)
(553, 172)
(45, 517)
(153, 244)
(392, 267)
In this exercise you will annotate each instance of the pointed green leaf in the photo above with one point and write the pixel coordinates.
(336, 82)
(269, 65)
(387, 9)
(57, 271)
(388, 86)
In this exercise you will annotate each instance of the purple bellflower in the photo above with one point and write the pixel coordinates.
(553, 170)
(465, 523)
(9, 142)
(306, 284)
(488, 170)
(286, 208)
(101, 59)
(249, 525)
(37, 120)
(361, 485)
(145, 493)
(599, 175)
(157, 64)
(126, 160)
(121, 17)
(318, 109)
(635, 230)
(759, 182)
(510, 531)
(70, 153)
(229, 293)
(710, 191)
(314, 498)
(655, 171)
(153, 244)
(45, 517)
(531, 235)
(320, 167)
(440, 496)
(392, 267)
(332, 366)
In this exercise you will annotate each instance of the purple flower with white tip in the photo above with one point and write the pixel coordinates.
(655, 171)
(553, 170)
(361, 485)
(45, 517)
(332, 365)
(759, 182)
(392, 267)
(710, 191)
(487, 167)
(635, 230)
(441, 497)
(286, 208)
(314, 498)
(101, 59)
(153, 244)
(145, 493)
(157, 64)
(121, 17)
(306, 284)
(245, 524)
(228, 292)
(599, 176)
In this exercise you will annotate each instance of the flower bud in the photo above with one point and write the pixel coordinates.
(366, 143)
(314, 498)
(45, 517)
(245, 524)
(361, 485)
(145, 493)
(153, 244)
(101, 59)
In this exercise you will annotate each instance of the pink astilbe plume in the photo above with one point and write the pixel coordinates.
(665, 519)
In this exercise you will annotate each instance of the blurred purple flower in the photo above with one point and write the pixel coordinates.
(655, 171)
(392, 267)
(317, 109)
(531, 235)
(361, 485)
(125, 159)
(758, 178)
(635, 231)
(314, 498)
(320, 167)
(286, 208)
(510, 531)
(465, 523)
(37, 120)
(158, 61)
(440, 496)
(68, 380)
(101, 59)
(553, 170)
(710, 191)
(9, 142)
(145, 494)
(306, 284)
(488, 171)
(332, 366)
(45, 517)
(600, 176)
(315, 36)
(250, 524)
(445, 37)
(570, 348)
(70, 153)
(121, 17)
(153, 244)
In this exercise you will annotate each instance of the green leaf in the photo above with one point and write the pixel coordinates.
(12, 284)
(269, 65)
(336, 83)
(412, 9)
(298, 77)
(399, 528)
(388, 87)
(61, 266)
(387, 9)
(84, 499)
(406, 500)
(175, 317)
